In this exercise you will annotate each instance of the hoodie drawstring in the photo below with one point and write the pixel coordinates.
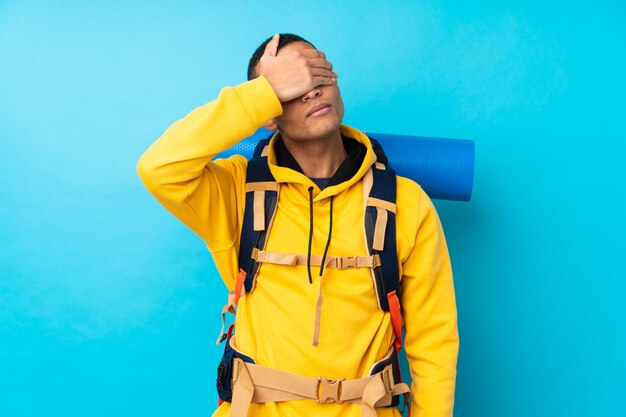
(308, 254)
(330, 233)
(320, 297)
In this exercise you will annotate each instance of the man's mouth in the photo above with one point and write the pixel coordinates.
(318, 110)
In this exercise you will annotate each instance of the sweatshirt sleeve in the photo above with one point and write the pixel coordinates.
(430, 317)
(178, 169)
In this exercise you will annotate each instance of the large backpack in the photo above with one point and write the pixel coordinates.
(262, 194)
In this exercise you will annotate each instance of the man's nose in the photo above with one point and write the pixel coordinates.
(316, 92)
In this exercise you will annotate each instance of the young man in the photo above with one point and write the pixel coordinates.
(309, 318)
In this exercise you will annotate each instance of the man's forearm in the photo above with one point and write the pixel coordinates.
(178, 171)
(186, 147)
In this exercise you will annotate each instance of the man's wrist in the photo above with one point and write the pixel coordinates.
(259, 100)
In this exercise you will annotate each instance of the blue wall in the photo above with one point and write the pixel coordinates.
(109, 306)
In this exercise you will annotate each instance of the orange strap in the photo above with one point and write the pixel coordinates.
(396, 323)
(241, 276)
(396, 318)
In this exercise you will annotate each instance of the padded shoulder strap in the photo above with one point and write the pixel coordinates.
(380, 228)
(261, 199)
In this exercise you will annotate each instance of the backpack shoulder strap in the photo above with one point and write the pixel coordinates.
(380, 230)
(261, 199)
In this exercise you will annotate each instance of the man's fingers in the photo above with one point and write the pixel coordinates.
(323, 73)
(319, 80)
(295, 71)
(321, 63)
(272, 46)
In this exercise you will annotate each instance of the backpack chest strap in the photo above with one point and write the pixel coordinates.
(338, 262)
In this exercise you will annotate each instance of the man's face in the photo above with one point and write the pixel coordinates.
(298, 121)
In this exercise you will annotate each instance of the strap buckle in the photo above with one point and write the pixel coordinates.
(329, 390)
(237, 366)
(345, 262)
(388, 378)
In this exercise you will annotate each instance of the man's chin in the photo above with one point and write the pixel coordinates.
(324, 128)
(320, 129)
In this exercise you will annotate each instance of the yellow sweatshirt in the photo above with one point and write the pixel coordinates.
(275, 323)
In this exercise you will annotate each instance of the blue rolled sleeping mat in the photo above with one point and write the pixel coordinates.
(444, 168)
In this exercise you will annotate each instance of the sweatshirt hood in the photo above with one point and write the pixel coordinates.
(360, 157)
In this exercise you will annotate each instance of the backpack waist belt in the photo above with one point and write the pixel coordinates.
(259, 384)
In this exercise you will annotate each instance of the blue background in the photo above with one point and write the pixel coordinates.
(109, 305)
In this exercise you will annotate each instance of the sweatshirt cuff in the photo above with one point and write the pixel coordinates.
(258, 100)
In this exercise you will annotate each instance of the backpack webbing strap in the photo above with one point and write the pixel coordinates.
(241, 277)
(293, 259)
(262, 192)
(258, 212)
(396, 318)
(382, 208)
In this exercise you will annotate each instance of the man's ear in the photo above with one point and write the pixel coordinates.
(271, 125)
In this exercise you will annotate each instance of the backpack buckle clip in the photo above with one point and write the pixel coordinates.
(345, 262)
(329, 390)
